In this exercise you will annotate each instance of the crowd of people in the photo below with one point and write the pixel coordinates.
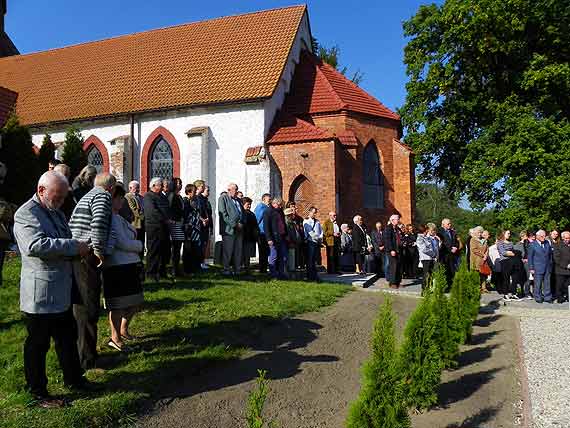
(89, 239)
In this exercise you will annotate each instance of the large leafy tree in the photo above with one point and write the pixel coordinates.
(488, 104)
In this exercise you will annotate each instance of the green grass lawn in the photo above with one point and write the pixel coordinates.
(182, 328)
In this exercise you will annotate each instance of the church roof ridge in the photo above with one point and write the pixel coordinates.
(151, 30)
(234, 59)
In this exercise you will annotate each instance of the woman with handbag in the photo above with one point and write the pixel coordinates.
(478, 257)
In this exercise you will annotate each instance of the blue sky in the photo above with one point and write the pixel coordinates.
(369, 33)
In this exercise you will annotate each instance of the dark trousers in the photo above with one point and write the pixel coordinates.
(176, 248)
(449, 262)
(312, 250)
(263, 253)
(41, 328)
(86, 310)
(191, 256)
(158, 249)
(333, 254)
(562, 283)
(428, 266)
(379, 263)
(394, 270)
(277, 259)
(140, 237)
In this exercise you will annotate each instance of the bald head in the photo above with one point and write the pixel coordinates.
(52, 189)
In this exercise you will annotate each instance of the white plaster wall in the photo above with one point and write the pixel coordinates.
(232, 130)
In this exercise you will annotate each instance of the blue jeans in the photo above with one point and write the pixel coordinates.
(386, 264)
(312, 251)
(277, 259)
(542, 280)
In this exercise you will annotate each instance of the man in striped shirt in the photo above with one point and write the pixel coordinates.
(91, 223)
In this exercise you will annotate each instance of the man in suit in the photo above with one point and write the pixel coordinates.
(135, 203)
(47, 248)
(331, 231)
(540, 265)
(157, 223)
(378, 243)
(393, 248)
(449, 249)
(232, 219)
(562, 267)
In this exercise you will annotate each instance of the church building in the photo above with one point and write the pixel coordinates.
(236, 99)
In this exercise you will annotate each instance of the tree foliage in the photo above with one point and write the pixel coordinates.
(466, 298)
(381, 402)
(73, 154)
(434, 203)
(332, 57)
(47, 153)
(17, 153)
(488, 104)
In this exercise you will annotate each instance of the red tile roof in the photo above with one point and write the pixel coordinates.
(319, 88)
(226, 60)
(7, 102)
(289, 129)
(347, 138)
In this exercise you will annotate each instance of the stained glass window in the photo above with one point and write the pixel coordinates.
(161, 161)
(95, 158)
(373, 179)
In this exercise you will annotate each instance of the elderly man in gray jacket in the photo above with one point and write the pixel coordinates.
(232, 219)
(47, 249)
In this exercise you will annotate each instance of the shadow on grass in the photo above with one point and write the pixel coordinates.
(179, 362)
(465, 386)
(170, 304)
(479, 420)
(5, 325)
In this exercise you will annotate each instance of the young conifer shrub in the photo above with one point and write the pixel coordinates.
(420, 358)
(460, 300)
(46, 153)
(73, 154)
(449, 328)
(381, 402)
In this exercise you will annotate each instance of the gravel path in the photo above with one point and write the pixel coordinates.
(547, 359)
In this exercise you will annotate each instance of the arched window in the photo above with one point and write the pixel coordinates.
(95, 158)
(161, 162)
(373, 179)
(301, 192)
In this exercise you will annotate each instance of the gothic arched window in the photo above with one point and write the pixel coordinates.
(161, 162)
(373, 179)
(302, 193)
(95, 158)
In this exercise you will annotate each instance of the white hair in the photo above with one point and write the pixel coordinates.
(105, 180)
(49, 178)
(356, 218)
(133, 183)
(541, 232)
(343, 226)
(155, 180)
(445, 220)
(394, 217)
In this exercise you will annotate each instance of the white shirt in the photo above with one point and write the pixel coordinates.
(313, 230)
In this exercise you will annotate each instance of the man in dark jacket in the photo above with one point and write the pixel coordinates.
(377, 237)
(393, 248)
(562, 267)
(157, 220)
(449, 249)
(276, 234)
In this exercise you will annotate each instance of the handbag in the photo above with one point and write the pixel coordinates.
(484, 269)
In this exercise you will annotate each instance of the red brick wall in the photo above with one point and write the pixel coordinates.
(332, 168)
(318, 167)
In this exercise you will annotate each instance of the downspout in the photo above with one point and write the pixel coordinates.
(132, 146)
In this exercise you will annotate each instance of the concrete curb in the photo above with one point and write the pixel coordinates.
(527, 404)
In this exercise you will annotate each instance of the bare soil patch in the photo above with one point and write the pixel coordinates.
(314, 363)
